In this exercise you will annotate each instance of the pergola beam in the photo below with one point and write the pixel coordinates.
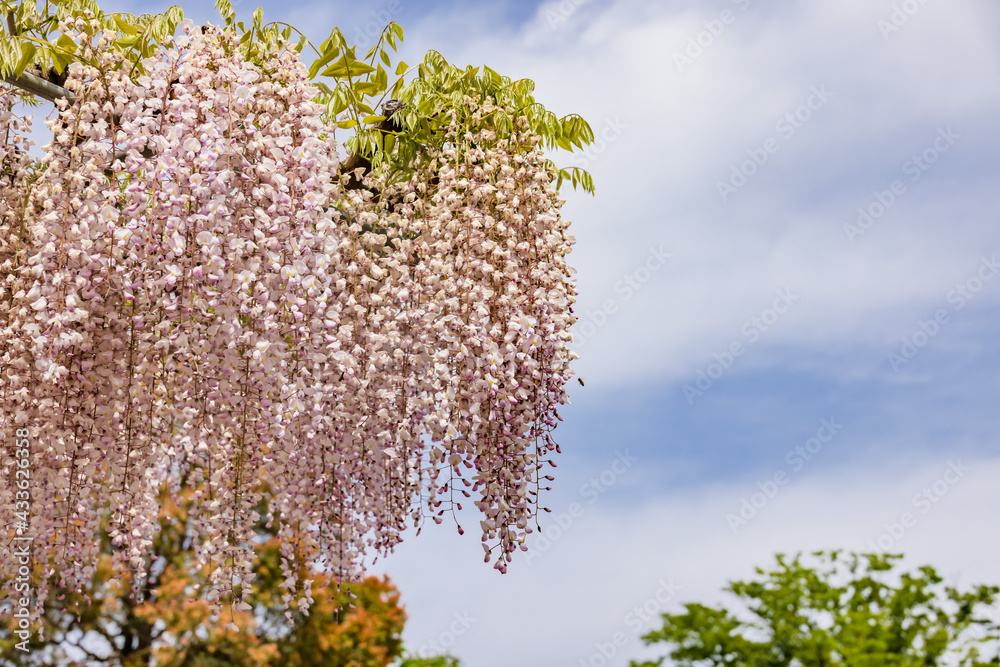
(39, 86)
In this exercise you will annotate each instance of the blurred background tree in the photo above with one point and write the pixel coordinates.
(172, 626)
(441, 661)
(845, 610)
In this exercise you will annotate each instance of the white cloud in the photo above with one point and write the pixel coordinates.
(685, 131)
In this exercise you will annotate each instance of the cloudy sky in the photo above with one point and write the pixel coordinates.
(790, 269)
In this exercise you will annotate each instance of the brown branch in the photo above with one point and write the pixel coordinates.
(355, 161)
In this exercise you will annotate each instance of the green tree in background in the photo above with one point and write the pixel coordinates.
(851, 609)
(443, 661)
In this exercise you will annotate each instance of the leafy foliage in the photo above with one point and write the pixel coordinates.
(443, 661)
(352, 88)
(32, 38)
(438, 88)
(850, 610)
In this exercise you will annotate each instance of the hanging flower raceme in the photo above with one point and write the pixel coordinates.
(182, 266)
(489, 283)
(192, 300)
(16, 176)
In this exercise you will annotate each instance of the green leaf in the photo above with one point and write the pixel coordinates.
(338, 102)
(334, 41)
(367, 88)
(67, 44)
(347, 124)
(371, 120)
(28, 52)
(59, 62)
(492, 77)
(225, 8)
(386, 59)
(381, 79)
(345, 68)
(123, 25)
(359, 68)
(330, 52)
(401, 68)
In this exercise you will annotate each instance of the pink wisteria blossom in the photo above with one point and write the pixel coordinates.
(207, 319)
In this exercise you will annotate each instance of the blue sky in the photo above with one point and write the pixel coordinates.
(868, 106)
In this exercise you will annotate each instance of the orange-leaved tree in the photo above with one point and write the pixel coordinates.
(163, 620)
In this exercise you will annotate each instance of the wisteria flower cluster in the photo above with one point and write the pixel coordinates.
(192, 299)
(17, 174)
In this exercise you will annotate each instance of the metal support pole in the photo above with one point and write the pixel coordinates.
(40, 87)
